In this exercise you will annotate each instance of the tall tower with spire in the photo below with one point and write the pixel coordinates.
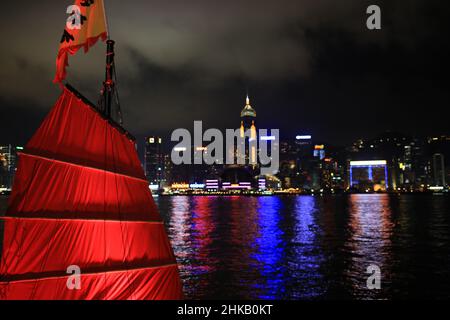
(248, 114)
(246, 168)
(248, 122)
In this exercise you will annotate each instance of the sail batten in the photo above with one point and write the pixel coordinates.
(139, 284)
(79, 165)
(83, 245)
(89, 272)
(80, 198)
(67, 217)
(78, 192)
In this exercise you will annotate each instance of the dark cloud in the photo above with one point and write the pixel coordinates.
(309, 65)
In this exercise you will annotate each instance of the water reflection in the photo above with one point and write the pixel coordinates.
(190, 229)
(307, 260)
(310, 247)
(270, 249)
(370, 243)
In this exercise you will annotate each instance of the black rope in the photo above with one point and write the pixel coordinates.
(117, 97)
(101, 104)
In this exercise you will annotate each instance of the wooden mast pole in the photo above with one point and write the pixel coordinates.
(108, 90)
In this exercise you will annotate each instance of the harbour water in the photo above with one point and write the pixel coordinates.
(306, 247)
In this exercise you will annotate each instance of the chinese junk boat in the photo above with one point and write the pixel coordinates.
(81, 221)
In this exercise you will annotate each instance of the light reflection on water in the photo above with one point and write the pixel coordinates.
(270, 249)
(370, 244)
(308, 247)
(306, 260)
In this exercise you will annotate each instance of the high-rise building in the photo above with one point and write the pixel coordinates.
(439, 151)
(438, 167)
(288, 173)
(298, 166)
(154, 161)
(368, 175)
(396, 149)
(416, 165)
(245, 154)
(248, 122)
(8, 161)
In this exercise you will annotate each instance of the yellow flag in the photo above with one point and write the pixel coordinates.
(84, 26)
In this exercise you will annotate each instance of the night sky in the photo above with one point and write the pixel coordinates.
(311, 67)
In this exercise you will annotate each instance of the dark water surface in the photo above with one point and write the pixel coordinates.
(304, 247)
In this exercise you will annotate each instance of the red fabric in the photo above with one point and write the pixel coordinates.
(75, 133)
(80, 198)
(91, 245)
(62, 60)
(154, 284)
(46, 188)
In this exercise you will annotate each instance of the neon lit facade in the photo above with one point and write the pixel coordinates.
(239, 186)
(370, 165)
(262, 184)
(212, 184)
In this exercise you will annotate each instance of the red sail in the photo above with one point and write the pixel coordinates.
(80, 198)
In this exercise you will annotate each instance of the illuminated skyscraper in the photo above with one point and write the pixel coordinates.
(8, 157)
(438, 168)
(439, 148)
(246, 169)
(154, 161)
(248, 122)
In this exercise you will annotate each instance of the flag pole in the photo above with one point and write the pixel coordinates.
(109, 80)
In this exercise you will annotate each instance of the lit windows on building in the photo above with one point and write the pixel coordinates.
(8, 163)
(154, 160)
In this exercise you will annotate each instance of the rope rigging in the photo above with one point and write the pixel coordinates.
(109, 102)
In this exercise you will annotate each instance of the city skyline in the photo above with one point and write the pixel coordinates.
(389, 162)
(303, 162)
(285, 134)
